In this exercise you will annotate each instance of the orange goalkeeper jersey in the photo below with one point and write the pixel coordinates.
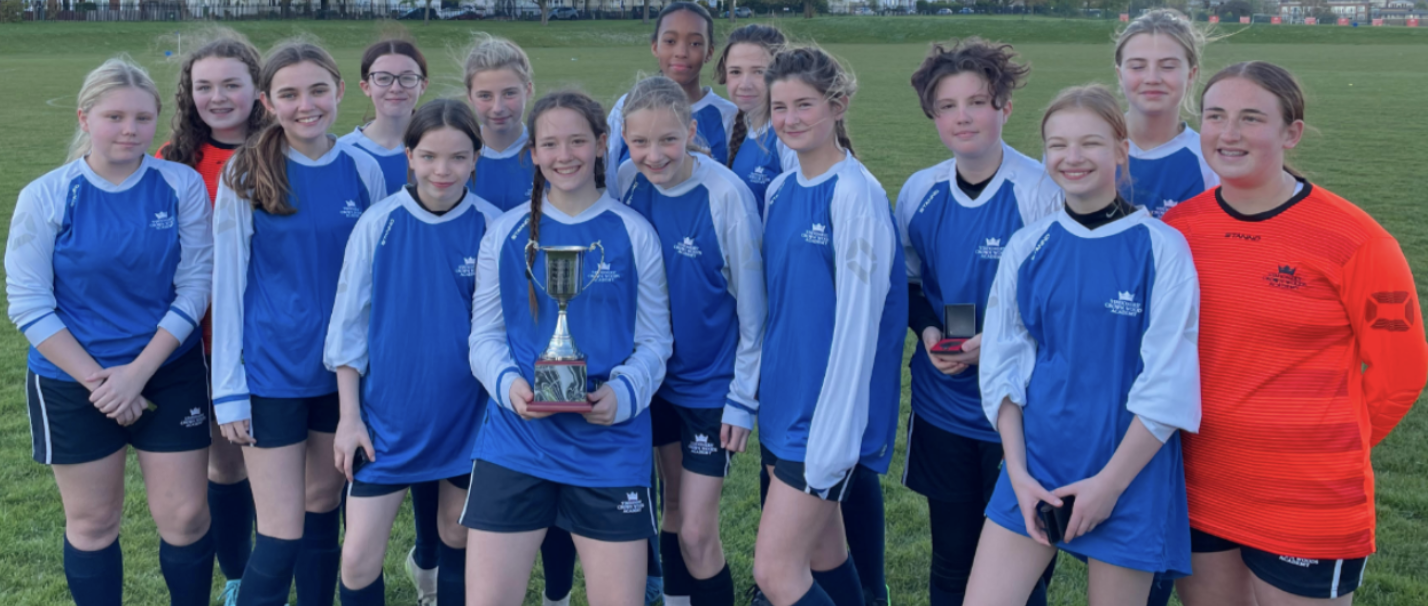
(212, 157)
(1311, 351)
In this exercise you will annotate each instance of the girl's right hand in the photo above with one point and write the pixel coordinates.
(351, 435)
(238, 433)
(521, 397)
(945, 365)
(1030, 494)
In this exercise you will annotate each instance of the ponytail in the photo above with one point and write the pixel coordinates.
(537, 201)
(736, 138)
(260, 171)
(841, 131)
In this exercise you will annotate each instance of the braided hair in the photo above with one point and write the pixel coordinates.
(766, 37)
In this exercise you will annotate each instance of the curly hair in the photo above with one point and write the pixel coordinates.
(190, 132)
(995, 62)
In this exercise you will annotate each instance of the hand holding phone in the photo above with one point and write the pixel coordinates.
(959, 323)
(1055, 520)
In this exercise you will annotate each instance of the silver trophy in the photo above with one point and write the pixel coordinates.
(560, 378)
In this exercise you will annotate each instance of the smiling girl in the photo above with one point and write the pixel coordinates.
(703, 412)
(107, 270)
(394, 78)
(217, 108)
(1157, 61)
(756, 154)
(837, 318)
(683, 41)
(409, 402)
(287, 204)
(1100, 276)
(499, 84)
(1335, 301)
(589, 473)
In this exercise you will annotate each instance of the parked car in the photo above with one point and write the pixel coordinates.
(944, 11)
(462, 14)
(864, 11)
(741, 12)
(564, 13)
(967, 11)
(416, 13)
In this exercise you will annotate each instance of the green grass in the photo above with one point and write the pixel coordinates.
(1365, 90)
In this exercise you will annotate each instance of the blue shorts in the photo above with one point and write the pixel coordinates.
(506, 500)
(697, 431)
(358, 488)
(792, 474)
(1308, 577)
(279, 422)
(66, 429)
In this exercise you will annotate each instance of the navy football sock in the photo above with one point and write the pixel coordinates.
(425, 497)
(451, 577)
(841, 584)
(96, 578)
(374, 594)
(816, 596)
(717, 590)
(231, 506)
(677, 580)
(270, 572)
(865, 529)
(188, 570)
(319, 559)
(557, 556)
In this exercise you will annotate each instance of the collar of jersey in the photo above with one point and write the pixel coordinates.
(425, 216)
(1183, 140)
(515, 147)
(990, 191)
(104, 184)
(549, 210)
(828, 174)
(1141, 215)
(374, 147)
(696, 177)
(326, 158)
(709, 98)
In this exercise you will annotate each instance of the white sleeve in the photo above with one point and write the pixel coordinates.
(1166, 394)
(1039, 197)
(232, 242)
(615, 142)
(907, 202)
(625, 177)
(346, 343)
(371, 174)
(863, 249)
(193, 278)
(29, 262)
(1008, 350)
(741, 239)
(491, 361)
(636, 380)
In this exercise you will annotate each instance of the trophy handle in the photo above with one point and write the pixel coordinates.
(530, 271)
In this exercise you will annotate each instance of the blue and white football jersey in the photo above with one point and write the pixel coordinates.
(393, 161)
(403, 319)
(275, 279)
(710, 236)
(504, 177)
(837, 288)
(1168, 174)
(761, 159)
(952, 244)
(1089, 331)
(713, 117)
(113, 263)
(620, 321)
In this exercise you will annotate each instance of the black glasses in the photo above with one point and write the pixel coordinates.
(407, 80)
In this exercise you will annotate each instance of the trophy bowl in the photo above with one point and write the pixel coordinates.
(560, 374)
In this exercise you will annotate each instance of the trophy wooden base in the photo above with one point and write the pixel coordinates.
(560, 387)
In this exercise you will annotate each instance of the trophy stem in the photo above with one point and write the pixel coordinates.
(562, 343)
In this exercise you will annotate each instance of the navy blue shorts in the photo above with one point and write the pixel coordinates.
(66, 429)
(792, 474)
(508, 501)
(279, 422)
(358, 488)
(1308, 577)
(950, 467)
(697, 431)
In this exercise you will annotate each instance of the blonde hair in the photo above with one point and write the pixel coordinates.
(1100, 101)
(490, 53)
(659, 92)
(116, 73)
(815, 67)
(1172, 24)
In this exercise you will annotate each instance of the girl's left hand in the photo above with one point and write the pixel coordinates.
(120, 387)
(1096, 497)
(733, 438)
(605, 403)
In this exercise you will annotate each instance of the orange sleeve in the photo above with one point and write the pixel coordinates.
(1382, 303)
(162, 149)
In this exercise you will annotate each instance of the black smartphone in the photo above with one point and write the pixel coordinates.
(959, 323)
(359, 460)
(1054, 520)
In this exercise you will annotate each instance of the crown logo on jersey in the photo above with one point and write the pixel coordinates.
(469, 260)
(1124, 304)
(1286, 270)
(602, 266)
(162, 220)
(994, 241)
(819, 227)
(351, 203)
(759, 170)
(632, 496)
(161, 215)
(1125, 296)
(688, 241)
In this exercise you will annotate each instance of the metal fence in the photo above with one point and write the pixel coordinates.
(221, 10)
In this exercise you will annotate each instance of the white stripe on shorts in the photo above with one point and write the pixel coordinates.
(653, 524)
(1334, 587)
(467, 504)
(907, 457)
(45, 422)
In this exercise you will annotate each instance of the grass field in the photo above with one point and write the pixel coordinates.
(1365, 86)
